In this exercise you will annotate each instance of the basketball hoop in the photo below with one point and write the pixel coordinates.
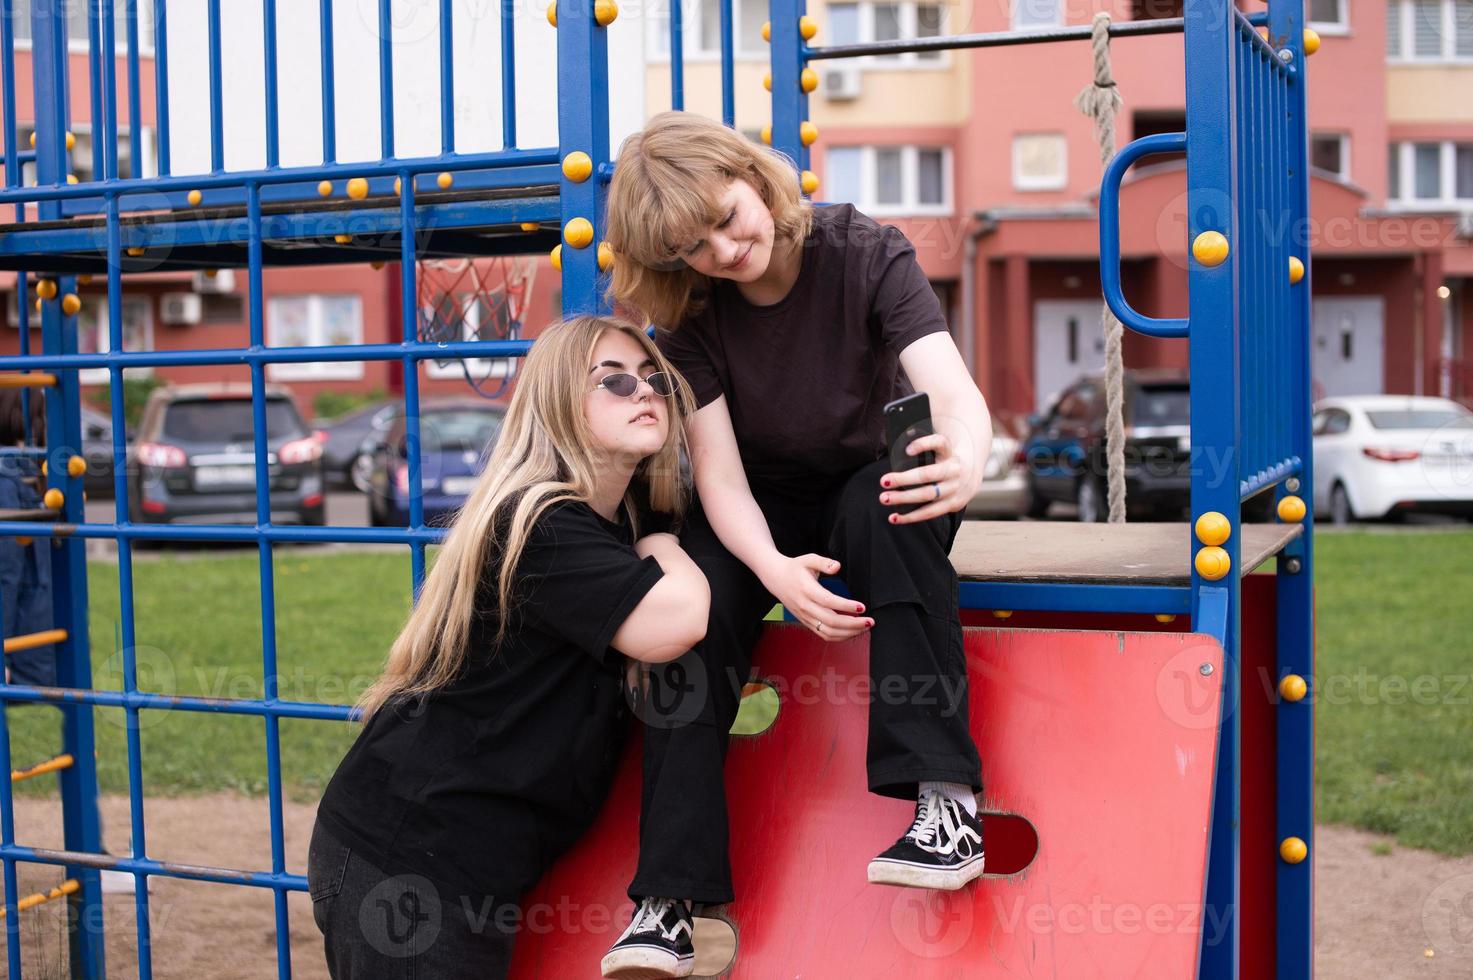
(471, 299)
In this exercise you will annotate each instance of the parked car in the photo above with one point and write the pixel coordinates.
(1065, 456)
(1004, 490)
(456, 436)
(97, 450)
(1380, 456)
(195, 459)
(345, 463)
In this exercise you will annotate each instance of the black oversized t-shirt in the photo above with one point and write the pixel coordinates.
(806, 379)
(481, 784)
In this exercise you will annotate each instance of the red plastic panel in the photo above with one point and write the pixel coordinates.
(1104, 742)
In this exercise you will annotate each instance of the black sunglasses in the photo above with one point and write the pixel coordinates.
(625, 385)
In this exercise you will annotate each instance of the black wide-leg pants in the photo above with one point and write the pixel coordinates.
(918, 695)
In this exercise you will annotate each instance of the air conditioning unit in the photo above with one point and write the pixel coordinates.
(223, 281)
(840, 83)
(180, 307)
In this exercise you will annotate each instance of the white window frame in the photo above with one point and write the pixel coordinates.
(78, 45)
(1344, 140)
(480, 368)
(102, 375)
(1025, 183)
(148, 149)
(1058, 20)
(657, 33)
(909, 60)
(1403, 197)
(313, 370)
(1340, 25)
(1407, 56)
(910, 183)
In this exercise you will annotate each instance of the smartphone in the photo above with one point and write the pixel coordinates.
(906, 420)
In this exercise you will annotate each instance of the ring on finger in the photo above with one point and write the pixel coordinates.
(937, 486)
(818, 627)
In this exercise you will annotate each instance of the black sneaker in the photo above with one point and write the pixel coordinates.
(942, 849)
(657, 944)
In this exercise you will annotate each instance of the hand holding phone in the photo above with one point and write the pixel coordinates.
(906, 420)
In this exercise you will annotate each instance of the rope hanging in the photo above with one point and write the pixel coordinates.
(1100, 101)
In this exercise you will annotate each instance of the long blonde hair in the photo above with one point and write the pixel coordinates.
(544, 454)
(666, 192)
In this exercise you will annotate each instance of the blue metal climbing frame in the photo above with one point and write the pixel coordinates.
(1246, 330)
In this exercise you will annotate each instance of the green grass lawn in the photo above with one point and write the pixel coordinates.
(1395, 710)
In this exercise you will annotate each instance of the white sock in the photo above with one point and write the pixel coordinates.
(960, 792)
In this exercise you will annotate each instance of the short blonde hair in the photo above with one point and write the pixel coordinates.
(666, 192)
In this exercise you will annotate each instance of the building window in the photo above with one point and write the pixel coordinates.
(76, 26)
(890, 180)
(94, 336)
(863, 23)
(80, 162)
(314, 321)
(1328, 14)
(701, 28)
(1040, 162)
(1429, 30)
(1330, 152)
(1435, 174)
(468, 317)
(1037, 13)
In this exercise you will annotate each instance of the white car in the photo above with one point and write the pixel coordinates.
(1004, 490)
(1387, 455)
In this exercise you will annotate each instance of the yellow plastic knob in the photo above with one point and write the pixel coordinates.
(1296, 269)
(135, 251)
(578, 233)
(767, 81)
(767, 135)
(342, 239)
(577, 166)
(1002, 614)
(23, 541)
(324, 189)
(1293, 850)
(605, 256)
(76, 466)
(194, 198)
(1311, 41)
(809, 180)
(530, 226)
(38, 304)
(1291, 510)
(33, 141)
(72, 179)
(1210, 248)
(808, 80)
(1213, 528)
(85, 280)
(807, 27)
(552, 13)
(1166, 617)
(43, 467)
(605, 12)
(398, 186)
(211, 273)
(71, 140)
(46, 289)
(1213, 563)
(445, 181)
(1293, 688)
(557, 257)
(767, 30)
(70, 304)
(375, 265)
(53, 499)
(808, 133)
(358, 188)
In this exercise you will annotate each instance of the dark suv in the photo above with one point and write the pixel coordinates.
(194, 461)
(1066, 456)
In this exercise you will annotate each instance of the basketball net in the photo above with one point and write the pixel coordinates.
(471, 299)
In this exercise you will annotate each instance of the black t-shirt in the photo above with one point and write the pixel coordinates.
(480, 785)
(806, 379)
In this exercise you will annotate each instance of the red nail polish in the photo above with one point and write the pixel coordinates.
(859, 609)
(871, 623)
(884, 483)
(894, 518)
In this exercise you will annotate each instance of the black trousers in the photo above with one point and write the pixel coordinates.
(917, 731)
(377, 926)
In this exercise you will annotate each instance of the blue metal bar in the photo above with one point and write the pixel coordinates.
(386, 79)
(789, 101)
(223, 532)
(273, 115)
(1062, 597)
(94, 88)
(493, 159)
(1269, 476)
(135, 111)
(409, 305)
(161, 81)
(583, 125)
(125, 589)
(677, 55)
(508, 74)
(329, 86)
(728, 62)
(447, 72)
(136, 700)
(153, 868)
(7, 86)
(217, 94)
(419, 350)
(1110, 232)
(1214, 103)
